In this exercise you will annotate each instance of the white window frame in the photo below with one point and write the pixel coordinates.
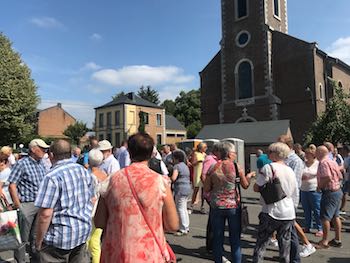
(279, 9)
(160, 119)
(236, 11)
(161, 138)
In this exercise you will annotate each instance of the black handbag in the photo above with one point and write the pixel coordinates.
(272, 191)
(244, 208)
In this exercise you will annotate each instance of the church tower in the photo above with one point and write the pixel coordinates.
(246, 58)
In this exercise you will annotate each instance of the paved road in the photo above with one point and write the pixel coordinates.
(191, 248)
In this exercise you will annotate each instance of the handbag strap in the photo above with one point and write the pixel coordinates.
(238, 183)
(273, 172)
(143, 211)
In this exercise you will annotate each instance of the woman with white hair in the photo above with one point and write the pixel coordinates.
(280, 215)
(225, 204)
(101, 181)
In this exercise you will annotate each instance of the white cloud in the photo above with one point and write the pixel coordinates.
(96, 37)
(171, 92)
(90, 66)
(46, 22)
(138, 75)
(80, 110)
(341, 49)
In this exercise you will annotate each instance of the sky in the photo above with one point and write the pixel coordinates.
(82, 52)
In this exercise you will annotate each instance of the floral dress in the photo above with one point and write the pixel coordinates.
(127, 237)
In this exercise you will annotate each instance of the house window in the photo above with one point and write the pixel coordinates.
(117, 118)
(159, 139)
(170, 134)
(179, 135)
(145, 118)
(159, 119)
(117, 139)
(109, 119)
(100, 120)
(242, 8)
(321, 90)
(100, 137)
(276, 8)
(244, 75)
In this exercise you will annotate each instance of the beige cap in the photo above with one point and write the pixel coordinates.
(104, 145)
(38, 142)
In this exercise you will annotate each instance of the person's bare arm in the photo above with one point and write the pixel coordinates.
(170, 216)
(175, 175)
(245, 179)
(44, 218)
(14, 195)
(101, 215)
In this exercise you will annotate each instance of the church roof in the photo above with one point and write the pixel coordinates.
(130, 98)
(262, 132)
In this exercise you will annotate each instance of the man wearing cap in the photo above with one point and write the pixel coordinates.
(110, 164)
(25, 179)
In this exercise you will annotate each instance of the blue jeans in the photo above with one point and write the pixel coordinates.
(311, 202)
(218, 220)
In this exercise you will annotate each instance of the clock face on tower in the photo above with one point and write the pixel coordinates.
(242, 38)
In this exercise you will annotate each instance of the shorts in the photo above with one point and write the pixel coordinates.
(330, 204)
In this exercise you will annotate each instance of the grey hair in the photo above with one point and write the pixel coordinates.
(201, 145)
(95, 157)
(281, 150)
(225, 148)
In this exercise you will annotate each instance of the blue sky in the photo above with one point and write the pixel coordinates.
(83, 52)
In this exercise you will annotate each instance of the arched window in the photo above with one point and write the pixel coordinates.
(340, 85)
(244, 79)
(241, 8)
(321, 91)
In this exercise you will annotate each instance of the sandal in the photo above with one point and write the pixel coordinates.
(320, 245)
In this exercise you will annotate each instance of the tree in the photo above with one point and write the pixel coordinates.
(118, 95)
(188, 111)
(169, 106)
(18, 96)
(333, 125)
(76, 131)
(149, 94)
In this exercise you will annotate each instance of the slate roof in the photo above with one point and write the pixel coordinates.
(262, 132)
(171, 123)
(130, 98)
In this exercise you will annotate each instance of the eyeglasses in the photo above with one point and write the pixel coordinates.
(45, 150)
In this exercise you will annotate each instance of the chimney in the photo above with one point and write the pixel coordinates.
(131, 96)
(59, 105)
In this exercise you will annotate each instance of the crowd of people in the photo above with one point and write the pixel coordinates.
(118, 203)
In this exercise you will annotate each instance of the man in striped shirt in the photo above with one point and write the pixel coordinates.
(65, 208)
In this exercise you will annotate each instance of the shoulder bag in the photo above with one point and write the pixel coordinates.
(272, 191)
(244, 208)
(172, 257)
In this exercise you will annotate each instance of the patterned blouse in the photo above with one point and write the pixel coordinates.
(127, 238)
(221, 185)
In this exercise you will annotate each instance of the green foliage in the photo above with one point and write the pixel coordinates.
(141, 127)
(188, 111)
(169, 106)
(18, 96)
(149, 94)
(334, 124)
(76, 131)
(118, 95)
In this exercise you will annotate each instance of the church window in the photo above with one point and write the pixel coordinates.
(276, 7)
(242, 38)
(242, 8)
(321, 90)
(244, 80)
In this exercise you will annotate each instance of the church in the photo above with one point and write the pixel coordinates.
(263, 78)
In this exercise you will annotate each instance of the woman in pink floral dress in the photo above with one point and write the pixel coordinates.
(127, 237)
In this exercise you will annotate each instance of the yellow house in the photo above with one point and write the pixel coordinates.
(116, 120)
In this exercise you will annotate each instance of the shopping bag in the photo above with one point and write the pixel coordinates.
(10, 237)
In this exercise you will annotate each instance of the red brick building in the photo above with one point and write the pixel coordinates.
(261, 73)
(53, 121)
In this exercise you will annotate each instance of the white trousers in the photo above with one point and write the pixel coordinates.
(181, 206)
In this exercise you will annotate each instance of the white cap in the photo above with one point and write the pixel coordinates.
(38, 142)
(104, 145)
